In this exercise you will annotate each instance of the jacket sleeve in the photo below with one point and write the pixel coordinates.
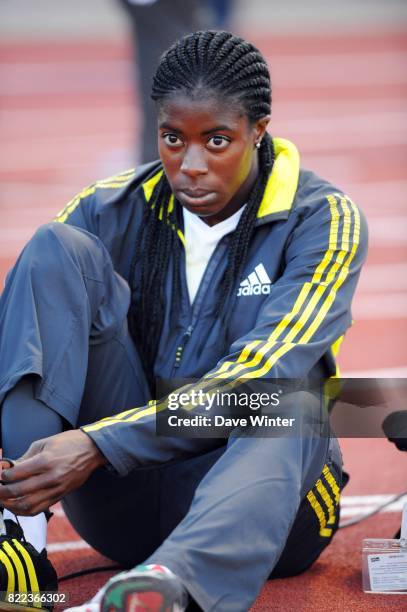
(307, 311)
(81, 210)
(84, 209)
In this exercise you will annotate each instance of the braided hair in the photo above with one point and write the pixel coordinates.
(205, 63)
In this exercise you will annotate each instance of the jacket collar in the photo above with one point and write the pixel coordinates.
(282, 183)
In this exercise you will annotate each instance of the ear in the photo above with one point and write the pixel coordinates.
(259, 128)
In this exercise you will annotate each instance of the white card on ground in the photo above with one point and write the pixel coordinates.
(388, 572)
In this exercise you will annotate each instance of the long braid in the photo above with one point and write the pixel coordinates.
(206, 63)
(155, 243)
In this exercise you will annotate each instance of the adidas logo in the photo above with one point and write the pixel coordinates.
(257, 283)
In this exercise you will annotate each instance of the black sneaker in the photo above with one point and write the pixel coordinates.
(23, 569)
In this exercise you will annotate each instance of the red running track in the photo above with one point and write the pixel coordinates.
(66, 112)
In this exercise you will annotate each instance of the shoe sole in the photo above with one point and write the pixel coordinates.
(141, 593)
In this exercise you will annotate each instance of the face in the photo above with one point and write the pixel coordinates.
(209, 155)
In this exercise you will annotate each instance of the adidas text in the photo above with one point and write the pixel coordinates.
(254, 290)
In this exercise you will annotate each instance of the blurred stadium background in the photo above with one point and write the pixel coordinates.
(339, 92)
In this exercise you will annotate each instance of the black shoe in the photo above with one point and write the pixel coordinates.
(23, 570)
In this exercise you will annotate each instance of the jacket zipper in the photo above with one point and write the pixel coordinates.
(195, 309)
(180, 348)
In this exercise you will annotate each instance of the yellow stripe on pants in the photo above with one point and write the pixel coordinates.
(324, 531)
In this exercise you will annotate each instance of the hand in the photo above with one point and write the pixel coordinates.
(50, 469)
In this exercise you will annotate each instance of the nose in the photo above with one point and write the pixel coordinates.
(194, 162)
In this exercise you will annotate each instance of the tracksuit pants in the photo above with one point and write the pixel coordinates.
(225, 520)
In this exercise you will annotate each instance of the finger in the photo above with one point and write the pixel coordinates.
(26, 487)
(5, 464)
(44, 504)
(16, 506)
(31, 505)
(25, 468)
(9, 492)
(6, 494)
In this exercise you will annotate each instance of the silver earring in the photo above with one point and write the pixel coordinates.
(258, 145)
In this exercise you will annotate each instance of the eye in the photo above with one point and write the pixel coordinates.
(218, 143)
(172, 140)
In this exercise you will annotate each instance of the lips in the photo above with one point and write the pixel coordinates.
(195, 193)
(196, 197)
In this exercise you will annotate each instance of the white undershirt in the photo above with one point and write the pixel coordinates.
(201, 240)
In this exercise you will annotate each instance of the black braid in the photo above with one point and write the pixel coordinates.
(222, 65)
(154, 244)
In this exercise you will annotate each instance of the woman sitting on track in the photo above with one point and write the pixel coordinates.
(222, 261)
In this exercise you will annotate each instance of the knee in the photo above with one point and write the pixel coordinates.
(306, 409)
(49, 239)
(55, 246)
(53, 233)
(306, 401)
(45, 250)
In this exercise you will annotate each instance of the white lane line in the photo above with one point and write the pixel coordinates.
(58, 511)
(356, 140)
(357, 122)
(362, 504)
(395, 372)
(312, 70)
(61, 154)
(313, 108)
(351, 69)
(388, 230)
(67, 78)
(30, 121)
(64, 546)
(376, 500)
(383, 277)
(389, 57)
(380, 306)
